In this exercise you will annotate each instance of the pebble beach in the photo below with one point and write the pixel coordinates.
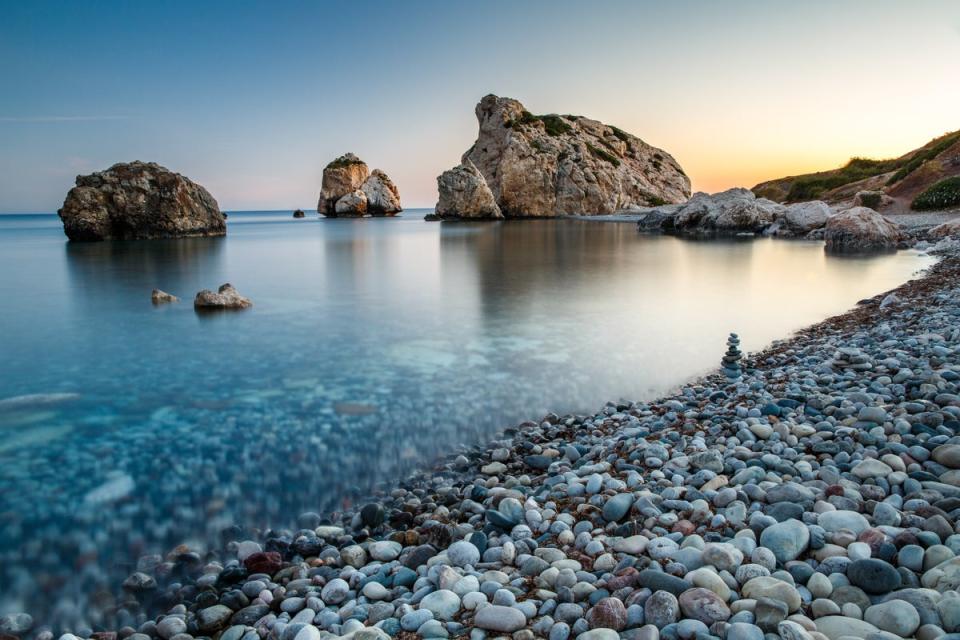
(810, 491)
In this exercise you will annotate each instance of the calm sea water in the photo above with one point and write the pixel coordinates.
(374, 346)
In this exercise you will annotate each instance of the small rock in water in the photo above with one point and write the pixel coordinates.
(226, 297)
(160, 297)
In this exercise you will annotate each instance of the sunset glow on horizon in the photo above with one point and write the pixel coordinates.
(252, 99)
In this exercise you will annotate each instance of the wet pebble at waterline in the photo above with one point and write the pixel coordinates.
(812, 498)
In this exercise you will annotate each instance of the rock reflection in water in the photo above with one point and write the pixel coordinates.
(374, 346)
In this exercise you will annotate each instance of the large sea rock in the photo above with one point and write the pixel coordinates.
(350, 190)
(139, 200)
(464, 194)
(860, 230)
(552, 165)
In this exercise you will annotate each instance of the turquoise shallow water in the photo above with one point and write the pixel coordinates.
(374, 347)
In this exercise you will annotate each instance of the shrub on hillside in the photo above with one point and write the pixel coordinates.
(943, 195)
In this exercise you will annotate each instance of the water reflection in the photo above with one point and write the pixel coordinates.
(97, 269)
(373, 347)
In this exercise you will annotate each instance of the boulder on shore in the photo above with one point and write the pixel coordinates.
(350, 190)
(554, 165)
(733, 212)
(139, 200)
(860, 230)
(226, 297)
(464, 194)
(949, 229)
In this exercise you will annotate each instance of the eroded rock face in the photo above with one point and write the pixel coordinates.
(465, 194)
(139, 200)
(383, 197)
(342, 176)
(354, 204)
(350, 190)
(545, 166)
(860, 230)
(226, 297)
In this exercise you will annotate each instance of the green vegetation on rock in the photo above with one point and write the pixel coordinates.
(940, 145)
(553, 124)
(343, 161)
(604, 155)
(810, 187)
(621, 134)
(942, 195)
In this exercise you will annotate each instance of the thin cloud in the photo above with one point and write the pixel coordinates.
(44, 119)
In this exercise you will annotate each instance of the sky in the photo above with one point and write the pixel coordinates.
(252, 99)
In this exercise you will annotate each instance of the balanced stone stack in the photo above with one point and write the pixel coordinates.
(731, 359)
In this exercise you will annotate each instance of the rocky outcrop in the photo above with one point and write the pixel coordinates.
(733, 212)
(464, 194)
(552, 165)
(350, 190)
(383, 197)
(139, 200)
(801, 218)
(226, 297)
(299, 214)
(946, 230)
(860, 230)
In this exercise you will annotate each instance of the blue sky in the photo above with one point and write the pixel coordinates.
(252, 99)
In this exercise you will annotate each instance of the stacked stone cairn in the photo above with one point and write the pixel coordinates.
(731, 359)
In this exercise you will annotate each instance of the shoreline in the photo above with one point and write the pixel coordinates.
(474, 502)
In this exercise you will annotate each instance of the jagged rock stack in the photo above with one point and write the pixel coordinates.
(350, 190)
(731, 359)
(528, 166)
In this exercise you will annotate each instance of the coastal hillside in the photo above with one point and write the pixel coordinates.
(550, 165)
(903, 179)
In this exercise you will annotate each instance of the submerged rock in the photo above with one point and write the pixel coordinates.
(465, 194)
(139, 200)
(551, 165)
(350, 190)
(226, 297)
(860, 230)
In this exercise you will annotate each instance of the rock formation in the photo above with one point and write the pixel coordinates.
(138, 200)
(860, 230)
(545, 166)
(465, 194)
(160, 297)
(946, 230)
(226, 297)
(299, 214)
(383, 197)
(350, 190)
(735, 211)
